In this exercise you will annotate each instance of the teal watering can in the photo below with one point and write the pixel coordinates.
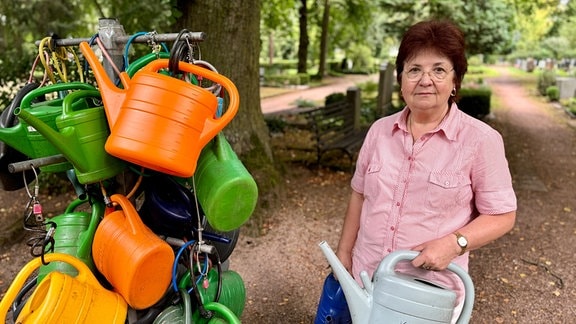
(26, 139)
(81, 135)
(73, 235)
(397, 298)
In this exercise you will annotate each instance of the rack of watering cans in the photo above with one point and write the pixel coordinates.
(161, 195)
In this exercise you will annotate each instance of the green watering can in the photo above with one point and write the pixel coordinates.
(232, 299)
(226, 190)
(27, 139)
(10, 181)
(73, 236)
(81, 135)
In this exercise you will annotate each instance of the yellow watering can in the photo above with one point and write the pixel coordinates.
(60, 298)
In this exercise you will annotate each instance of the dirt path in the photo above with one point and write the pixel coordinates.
(289, 100)
(528, 276)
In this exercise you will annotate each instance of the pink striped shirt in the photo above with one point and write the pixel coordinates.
(416, 192)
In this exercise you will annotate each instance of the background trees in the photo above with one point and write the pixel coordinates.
(244, 35)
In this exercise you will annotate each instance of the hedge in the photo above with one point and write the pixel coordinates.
(475, 101)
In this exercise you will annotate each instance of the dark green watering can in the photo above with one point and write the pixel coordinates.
(81, 133)
(27, 139)
(73, 235)
(10, 181)
(232, 296)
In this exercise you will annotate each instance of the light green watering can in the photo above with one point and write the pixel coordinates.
(81, 135)
(26, 139)
(73, 236)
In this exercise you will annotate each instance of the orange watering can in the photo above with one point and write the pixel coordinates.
(158, 121)
(136, 262)
(60, 298)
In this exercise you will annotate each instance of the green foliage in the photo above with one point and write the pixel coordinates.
(303, 103)
(475, 101)
(553, 93)
(282, 80)
(488, 24)
(546, 78)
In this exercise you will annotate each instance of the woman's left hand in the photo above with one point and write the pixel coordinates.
(437, 254)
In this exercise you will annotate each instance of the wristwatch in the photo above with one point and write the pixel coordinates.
(462, 242)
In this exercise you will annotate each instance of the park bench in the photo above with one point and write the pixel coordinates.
(334, 127)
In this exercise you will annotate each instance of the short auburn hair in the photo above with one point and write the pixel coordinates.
(441, 36)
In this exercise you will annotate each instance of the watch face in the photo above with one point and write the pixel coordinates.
(462, 241)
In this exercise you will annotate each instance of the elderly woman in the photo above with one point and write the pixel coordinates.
(430, 178)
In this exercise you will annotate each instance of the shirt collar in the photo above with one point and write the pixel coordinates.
(448, 125)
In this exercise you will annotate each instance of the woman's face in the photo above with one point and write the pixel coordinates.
(427, 81)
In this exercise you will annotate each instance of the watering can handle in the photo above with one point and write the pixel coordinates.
(7, 117)
(84, 275)
(144, 60)
(224, 311)
(27, 100)
(211, 126)
(129, 212)
(387, 266)
(67, 103)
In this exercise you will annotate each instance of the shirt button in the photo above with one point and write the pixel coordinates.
(397, 204)
(447, 183)
(389, 250)
(391, 228)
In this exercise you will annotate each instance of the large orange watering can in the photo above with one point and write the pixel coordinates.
(158, 121)
(60, 298)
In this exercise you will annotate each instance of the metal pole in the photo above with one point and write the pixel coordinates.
(35, 163)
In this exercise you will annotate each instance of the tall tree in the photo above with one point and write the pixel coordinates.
(324, 39)
(303, 39)
(232, 46)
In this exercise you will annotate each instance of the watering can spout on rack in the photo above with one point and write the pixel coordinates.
(114, 95)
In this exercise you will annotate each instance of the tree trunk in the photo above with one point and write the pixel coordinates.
(304, 41)
(324, 40)
(232, 46)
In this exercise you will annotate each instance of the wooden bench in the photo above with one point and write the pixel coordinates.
(333, 128)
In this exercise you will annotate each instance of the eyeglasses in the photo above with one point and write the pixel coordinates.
(438, 73)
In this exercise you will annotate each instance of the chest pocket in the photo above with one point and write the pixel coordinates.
(372, 180)
(446, 190)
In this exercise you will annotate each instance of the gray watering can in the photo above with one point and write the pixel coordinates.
(396, 298)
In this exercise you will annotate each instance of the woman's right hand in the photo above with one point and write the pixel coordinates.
(346, 260)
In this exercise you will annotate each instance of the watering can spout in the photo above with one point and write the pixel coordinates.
(111, 94)
(63, 143)
(15, 138)
(358, 299)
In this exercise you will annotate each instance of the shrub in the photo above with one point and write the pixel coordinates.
(546, 79)
(286, 80)
(475, 101)
(334, 97)
(553, 93)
